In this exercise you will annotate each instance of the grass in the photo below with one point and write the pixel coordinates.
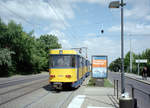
(91, 82)
(106, 82)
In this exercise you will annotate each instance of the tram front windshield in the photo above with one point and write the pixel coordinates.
(62, 61)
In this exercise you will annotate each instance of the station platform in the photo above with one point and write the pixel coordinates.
(95, 97)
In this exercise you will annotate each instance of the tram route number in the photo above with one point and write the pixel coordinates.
(60, 75)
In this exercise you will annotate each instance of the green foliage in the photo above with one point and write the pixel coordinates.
(91, 82)
(5, 62)
(49, 42)
(144, 55)
(107, 83)
(22, 53)
(5, 57)
(115, 65)
(45, 43)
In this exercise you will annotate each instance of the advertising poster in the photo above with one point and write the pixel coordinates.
(99, 66)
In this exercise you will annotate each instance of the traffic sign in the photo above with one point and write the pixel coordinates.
(141, 61)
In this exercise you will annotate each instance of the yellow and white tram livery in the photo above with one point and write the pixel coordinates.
(67, 67)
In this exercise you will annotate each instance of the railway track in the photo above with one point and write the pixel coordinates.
(13, 94)
(20, 81)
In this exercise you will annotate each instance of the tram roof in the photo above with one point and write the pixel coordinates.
(62, 51)
(65, 52)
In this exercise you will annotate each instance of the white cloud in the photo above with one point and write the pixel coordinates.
(54, 17)
(132, 28)
(62, 39)
(138, 43)
(102, 46)
(112, 47)
(101, 2)
(37, 11)
(147, 17)
(53, 12)
(115, 28)
(91, 34)
(139, 9)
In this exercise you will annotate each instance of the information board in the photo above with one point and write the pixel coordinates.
(141, 61)
(99, 66)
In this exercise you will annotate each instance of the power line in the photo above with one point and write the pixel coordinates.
(21, 17)
(56, 13)
(70, 24)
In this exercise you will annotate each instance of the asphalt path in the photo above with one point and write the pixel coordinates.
(141, 88)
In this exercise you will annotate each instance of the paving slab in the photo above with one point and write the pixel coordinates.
(94, 97)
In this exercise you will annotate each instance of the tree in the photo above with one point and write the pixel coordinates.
(5, 62)
(21, 52)
(115, 65)
(44, 44)
(49, 42)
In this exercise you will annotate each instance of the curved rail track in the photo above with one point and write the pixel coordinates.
(16, 82)
(26, 89)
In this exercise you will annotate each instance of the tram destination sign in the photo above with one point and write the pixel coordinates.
(99, 66)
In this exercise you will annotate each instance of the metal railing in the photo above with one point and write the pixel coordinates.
(132, 90)
(116, 88)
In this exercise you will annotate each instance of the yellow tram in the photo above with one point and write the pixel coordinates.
(67, 68)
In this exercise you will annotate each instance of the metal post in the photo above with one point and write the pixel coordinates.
(138, 68)
(133, 92)
(122, 50)
(114, 88)
(117, 89)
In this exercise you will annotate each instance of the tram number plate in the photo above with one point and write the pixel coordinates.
(60, 75)
(57, 83)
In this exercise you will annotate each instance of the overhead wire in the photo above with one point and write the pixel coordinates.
(73, 34)
(21, 17)
(73, 30)
(52, 6)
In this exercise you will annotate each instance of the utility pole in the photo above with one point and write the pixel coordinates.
(122, 50)
(117, 4)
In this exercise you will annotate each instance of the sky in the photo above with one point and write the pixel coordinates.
(78, 23)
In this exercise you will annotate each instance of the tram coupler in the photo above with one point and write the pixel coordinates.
(57, 85)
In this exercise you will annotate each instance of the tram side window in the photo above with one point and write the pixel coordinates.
(86, 63)
(80, 62)
(73, 61)
(83, 62)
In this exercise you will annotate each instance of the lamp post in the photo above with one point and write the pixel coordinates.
(117, 4)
